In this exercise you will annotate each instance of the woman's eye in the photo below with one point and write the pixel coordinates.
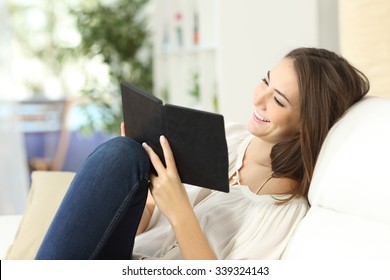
(265, 81)
(278, 102)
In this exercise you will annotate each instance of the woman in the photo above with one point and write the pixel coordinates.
(271, 166)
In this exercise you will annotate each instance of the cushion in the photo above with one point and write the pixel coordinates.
(350, 213)
(45, 196)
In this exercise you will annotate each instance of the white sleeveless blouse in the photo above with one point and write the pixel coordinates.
(238, 224)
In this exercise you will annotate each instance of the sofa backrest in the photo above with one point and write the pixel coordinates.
(349, 195)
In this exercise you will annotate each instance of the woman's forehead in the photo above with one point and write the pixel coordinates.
(284, 78)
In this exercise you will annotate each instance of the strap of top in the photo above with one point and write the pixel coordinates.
(236, 178)
(265, 182)
(236, 181)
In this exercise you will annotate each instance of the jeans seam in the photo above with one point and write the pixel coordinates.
(116, 217)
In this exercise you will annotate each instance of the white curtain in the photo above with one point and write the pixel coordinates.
(13, 169)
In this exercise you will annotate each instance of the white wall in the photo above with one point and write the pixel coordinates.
(240, 41)
(256, 34)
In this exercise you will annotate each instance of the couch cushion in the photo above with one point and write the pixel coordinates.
(45, 196)
(350, 190)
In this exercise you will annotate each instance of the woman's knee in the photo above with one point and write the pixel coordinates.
(124, 153)
(128, 150)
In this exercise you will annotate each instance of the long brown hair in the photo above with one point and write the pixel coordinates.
(328, 86)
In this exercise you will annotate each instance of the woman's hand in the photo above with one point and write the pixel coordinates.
(172, 200)
(166, 188)
(123, 132)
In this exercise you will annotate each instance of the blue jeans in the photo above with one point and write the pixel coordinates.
(99, 215)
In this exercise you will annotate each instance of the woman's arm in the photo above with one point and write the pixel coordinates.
(172, 200)
(147, 214)
(190, 237)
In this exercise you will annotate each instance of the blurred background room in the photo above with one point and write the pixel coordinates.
(61, 63)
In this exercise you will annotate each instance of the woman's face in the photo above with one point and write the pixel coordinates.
(276, 105)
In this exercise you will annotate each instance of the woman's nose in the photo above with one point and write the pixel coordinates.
(261, 97)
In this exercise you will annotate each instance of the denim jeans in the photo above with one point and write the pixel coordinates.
(100, 213)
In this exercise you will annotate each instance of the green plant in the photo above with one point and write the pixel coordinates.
(195, 89)
(117, 32)
(114, 32)
(215, 99)
(165, 94)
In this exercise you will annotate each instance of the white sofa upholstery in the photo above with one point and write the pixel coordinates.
(349, 216)
(349, 195)
(8, 227)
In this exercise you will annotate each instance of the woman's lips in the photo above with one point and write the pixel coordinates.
(259, 117)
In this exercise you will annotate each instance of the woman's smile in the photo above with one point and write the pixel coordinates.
(260, 118)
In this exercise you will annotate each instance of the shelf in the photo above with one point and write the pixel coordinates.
(190, 50)
(186, 52)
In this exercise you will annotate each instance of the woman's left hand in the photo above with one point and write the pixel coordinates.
(166, 188)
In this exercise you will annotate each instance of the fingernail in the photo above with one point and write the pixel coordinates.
(144, 145)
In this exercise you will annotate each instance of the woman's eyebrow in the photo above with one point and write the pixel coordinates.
(278, 91)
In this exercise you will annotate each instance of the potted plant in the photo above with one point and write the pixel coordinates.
(117, 32)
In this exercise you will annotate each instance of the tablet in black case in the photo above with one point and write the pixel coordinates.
(197, 138)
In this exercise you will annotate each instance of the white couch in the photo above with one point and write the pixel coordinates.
(349, 216)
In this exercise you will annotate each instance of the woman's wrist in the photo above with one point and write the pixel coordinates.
(183, 217)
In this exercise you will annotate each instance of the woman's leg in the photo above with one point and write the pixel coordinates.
(100, 213)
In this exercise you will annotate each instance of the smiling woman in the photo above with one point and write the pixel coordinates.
(277, 105)
(271, 161)
(328, 86)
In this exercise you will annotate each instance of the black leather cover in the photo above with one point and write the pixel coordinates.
(197, 138)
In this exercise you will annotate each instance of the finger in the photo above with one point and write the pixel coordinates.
(168, 154)
(123, 133)
(156, 162)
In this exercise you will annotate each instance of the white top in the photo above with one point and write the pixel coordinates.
(238, 224)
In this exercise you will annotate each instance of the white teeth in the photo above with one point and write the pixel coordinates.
(260, 117)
